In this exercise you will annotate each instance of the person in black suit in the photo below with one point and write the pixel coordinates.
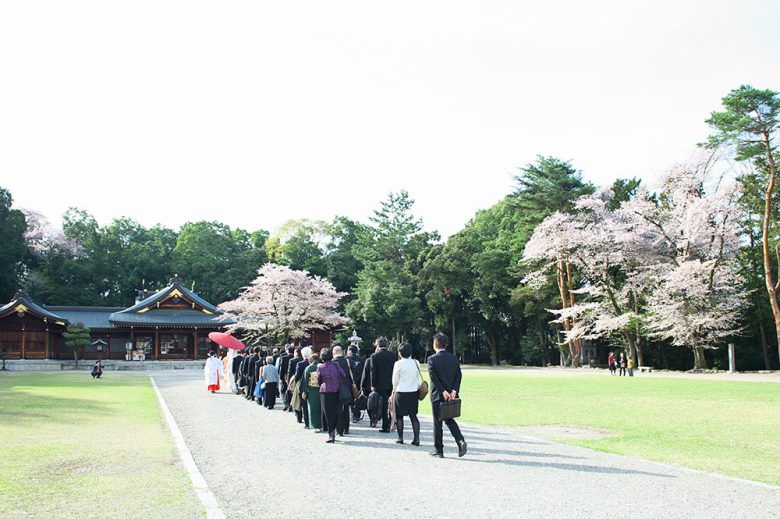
(236, 370)
(444, 371)
(284, 365)
(252, 373)
(356, 363)
(382, 361)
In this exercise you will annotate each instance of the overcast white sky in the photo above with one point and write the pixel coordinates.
(253, 112)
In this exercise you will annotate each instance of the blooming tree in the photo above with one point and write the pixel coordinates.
(663, 268)
(282, 303)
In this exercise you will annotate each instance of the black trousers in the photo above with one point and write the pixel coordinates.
(305, 411)
(270, 394)
(342, 426)
(438, 430)
(385, 394)
(330, 411)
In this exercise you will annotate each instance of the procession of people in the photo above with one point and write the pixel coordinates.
(326, 391)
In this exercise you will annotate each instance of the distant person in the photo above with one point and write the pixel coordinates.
(611, 362)
(630, 366)
(622, 364)
(406, 382)
(290, 381)
(300, 369)
(236, 371)
(283, 364)
(97, 369)
(252, 372)
(356, 364)
(382, 378)
(213, 372)
(310, 392)
(445, 374)
(270, 377)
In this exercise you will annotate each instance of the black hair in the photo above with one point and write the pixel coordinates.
(441, 340)
(352, 349)
(405, 350)
(381, 342)
(326, 355)
(298, 350)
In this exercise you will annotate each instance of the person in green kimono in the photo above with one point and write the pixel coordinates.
(310, 389)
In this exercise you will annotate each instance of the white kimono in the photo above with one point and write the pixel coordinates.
(213, 371)
(230, 377)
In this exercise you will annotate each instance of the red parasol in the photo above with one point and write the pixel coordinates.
(226, 340)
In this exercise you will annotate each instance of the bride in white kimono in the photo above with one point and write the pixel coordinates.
(213, 372)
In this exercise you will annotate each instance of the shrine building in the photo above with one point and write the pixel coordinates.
(172, 324)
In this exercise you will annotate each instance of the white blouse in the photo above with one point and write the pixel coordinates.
(406, 378)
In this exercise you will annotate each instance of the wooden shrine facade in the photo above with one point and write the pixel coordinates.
(172, 324)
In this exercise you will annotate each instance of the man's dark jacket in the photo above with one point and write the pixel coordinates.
(444, 370)
(382, 362)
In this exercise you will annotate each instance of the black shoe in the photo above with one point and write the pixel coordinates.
(416, 443)
(384, 430)
(437, 454)
(341, 434)
(400, 441)
(461, 448)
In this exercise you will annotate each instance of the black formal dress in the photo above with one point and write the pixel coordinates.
(382, 380)
(444, 371)
(252, 376)
(284, 364)
(237, 360)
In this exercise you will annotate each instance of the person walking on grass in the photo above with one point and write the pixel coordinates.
(630, 366)
(611, 362)
(406, 382)
(445, 375)
(212, 372)
(622, 364)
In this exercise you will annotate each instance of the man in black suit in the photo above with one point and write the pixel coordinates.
(382, 361)
(236, 370)
(356, 364)
(252, 373)
(444, 371)
(284, 365)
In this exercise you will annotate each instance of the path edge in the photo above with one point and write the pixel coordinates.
(198, 481)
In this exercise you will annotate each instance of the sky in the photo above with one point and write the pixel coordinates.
(256, 112)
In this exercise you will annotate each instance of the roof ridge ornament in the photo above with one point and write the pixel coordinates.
(175, 280)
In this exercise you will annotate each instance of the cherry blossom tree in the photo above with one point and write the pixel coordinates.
(662, 268)
(282, 304)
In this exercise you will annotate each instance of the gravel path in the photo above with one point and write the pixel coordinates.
(275, 468)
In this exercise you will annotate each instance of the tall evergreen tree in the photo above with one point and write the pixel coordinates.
(12, 245)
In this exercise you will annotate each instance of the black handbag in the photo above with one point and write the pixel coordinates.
(345, 392)
(449, 409)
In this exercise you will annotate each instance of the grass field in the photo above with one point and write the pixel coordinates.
(77, 447)
(727, 427)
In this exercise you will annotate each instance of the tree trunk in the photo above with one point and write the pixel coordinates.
(764, 344)
(76, 356)
(543, 342)
(564, 304)
(493, 349)
(577, 342)
(640, 356)
(699, 360)
(771, 288)
(454, 350)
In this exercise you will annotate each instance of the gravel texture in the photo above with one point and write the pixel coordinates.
(261, 463)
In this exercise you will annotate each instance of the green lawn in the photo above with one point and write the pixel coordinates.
(77, 447)
(720, 426)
